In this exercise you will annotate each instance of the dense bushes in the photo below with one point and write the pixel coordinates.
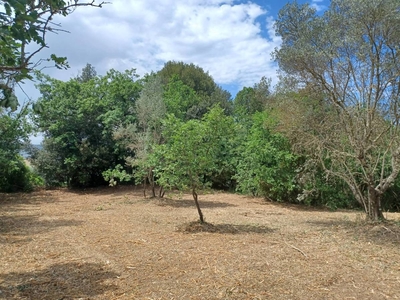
(17, 176)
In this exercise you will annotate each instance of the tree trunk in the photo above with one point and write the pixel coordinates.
(152, 184)
(374, 205)
(161, 192)
(144, 187)
(197, 205)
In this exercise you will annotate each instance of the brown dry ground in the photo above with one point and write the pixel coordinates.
(114, 244)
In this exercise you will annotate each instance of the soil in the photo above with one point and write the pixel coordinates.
(112, 243)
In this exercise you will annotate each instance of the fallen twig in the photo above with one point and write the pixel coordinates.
(295, 248)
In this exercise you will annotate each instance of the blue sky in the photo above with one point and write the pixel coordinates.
(232, 40)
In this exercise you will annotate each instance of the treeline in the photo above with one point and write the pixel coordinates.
(176, 129)
(327, 134)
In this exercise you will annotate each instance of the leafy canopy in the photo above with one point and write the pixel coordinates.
(23, 23)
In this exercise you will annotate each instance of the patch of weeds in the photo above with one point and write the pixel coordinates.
(99, 208)
(22, 287)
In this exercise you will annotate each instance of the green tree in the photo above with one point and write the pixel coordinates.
(88, 73)
(78, 120)
(180, 99)
(194, 78)
(351, 54)
(24, 23)
(144, 135)
(190, 153)
(266, 166)
(252, 99)
(14, 131)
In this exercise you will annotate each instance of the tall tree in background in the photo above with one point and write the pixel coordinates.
(78, 120)
(351, 54)
(144, 135)
(266, 166)
(88, 72)
(254, 99)
(196, 79)
(22, 23)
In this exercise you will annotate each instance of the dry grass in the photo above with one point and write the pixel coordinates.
(113, 244)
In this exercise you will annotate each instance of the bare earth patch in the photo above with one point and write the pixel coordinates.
(114, 244)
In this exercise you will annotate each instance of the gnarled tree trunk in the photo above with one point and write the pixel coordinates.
(374, 212)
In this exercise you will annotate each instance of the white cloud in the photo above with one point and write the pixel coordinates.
(317, 4)
(222, 37)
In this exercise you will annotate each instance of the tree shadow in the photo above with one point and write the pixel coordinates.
(13, 202)
(73, 280)
(14, 228)
(118, 190)
(376, 232)
(197, 227)
(190, 203)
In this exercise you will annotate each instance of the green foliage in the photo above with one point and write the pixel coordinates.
(193, 152)
(350, 53)
(222, 134)
(78, 119)
(14, 132)
(118, 174)
(317, 189)
(180, 100)
(189, 78)
(24, 23)
(251, 100)
(48, 163)
(88, 73)
(16, 176)
(186, 156)
(266, 166)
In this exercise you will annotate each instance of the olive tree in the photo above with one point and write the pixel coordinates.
(351, 54)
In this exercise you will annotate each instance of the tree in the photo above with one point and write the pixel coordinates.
(78, 120)
(266, 166)
(14, 132)
(190, 153)
(144, 135)
(181, 100)
(252, 99)
(300, 114)
(88, 72)
(194, 78)
(22, 23)
(350, 53)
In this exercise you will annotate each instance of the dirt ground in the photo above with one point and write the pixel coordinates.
(114, 244)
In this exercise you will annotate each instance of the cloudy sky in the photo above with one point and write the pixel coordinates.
(232, 40)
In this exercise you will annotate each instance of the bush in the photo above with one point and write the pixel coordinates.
(16, 176)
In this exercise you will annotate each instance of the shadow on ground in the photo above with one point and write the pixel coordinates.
(197, 227)
(14, 227)
(190, 203)
(376, 232)
(16, 201)
(60, 281)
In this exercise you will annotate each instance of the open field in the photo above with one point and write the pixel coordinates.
(114, 244)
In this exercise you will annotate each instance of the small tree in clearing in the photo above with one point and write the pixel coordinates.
(189, 155)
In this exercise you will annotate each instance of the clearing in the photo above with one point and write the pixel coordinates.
(111, 243)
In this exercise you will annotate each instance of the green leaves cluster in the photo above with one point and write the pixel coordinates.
(23, 23)
(78, 119)
(266, 164)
